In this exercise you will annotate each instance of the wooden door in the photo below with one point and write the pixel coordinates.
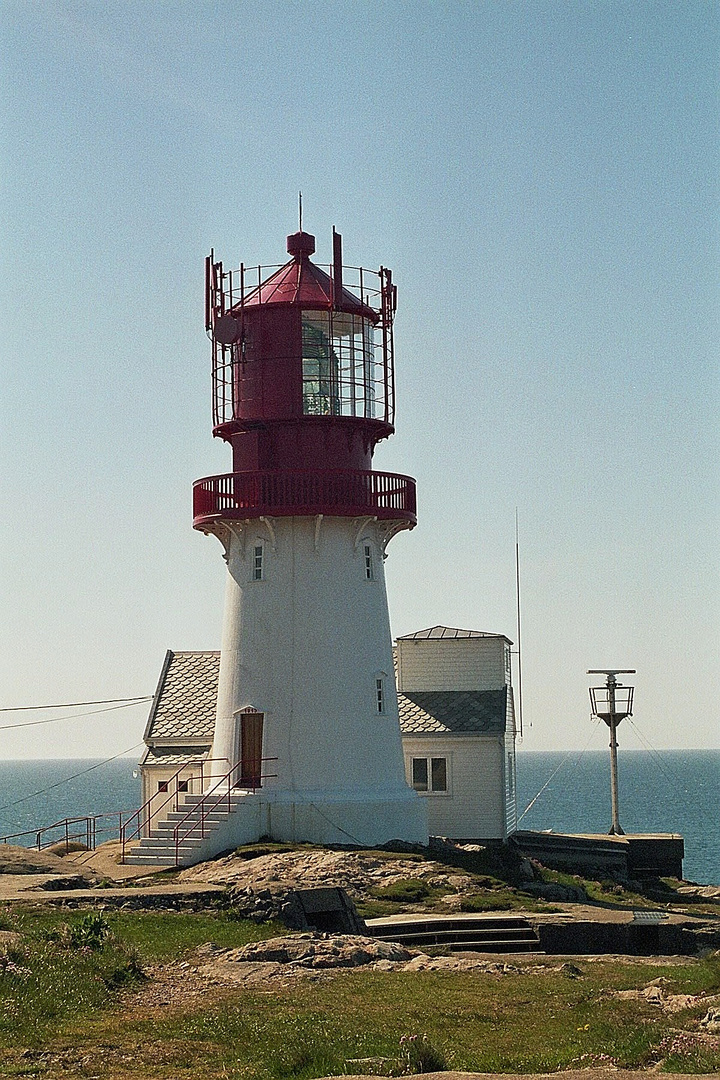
(251, 738)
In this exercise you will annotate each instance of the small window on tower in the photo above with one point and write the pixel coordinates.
(257, 569)
(368, 562)
(380, 695)
(162, 785)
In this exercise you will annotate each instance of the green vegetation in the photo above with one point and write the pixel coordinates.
(272, 847)
(409, 891)
(76, 998)
(503, 900)
(57, 967)
(518, 1022)
(155, 935)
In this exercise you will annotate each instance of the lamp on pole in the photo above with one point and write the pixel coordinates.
(612, 703)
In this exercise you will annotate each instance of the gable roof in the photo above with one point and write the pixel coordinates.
(184, 703)
(170, 757)
(457, 712)
(436, 633)
(183, 709)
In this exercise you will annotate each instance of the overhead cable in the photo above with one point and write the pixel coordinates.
(557, 770)
(670, 777)
(77, 704)
(76, 716)
(58, 783)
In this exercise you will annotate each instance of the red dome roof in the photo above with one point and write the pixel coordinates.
(302, 283)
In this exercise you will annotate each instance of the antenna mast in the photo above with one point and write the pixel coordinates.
(612, 703)
(517, 601)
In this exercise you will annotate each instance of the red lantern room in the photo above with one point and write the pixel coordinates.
(302, 389)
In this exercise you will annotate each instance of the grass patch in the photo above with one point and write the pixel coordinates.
(409, 891)
(503, 900)
(375, 909)
(60, 1010)
(271, 847)
(156, 935)
(517, 1022)
(64, 966)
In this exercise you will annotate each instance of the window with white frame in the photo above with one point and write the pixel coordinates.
(257, 563)
(429, 774)
(367, 555)
(380, 694)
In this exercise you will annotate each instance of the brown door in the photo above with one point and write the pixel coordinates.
(251, 736)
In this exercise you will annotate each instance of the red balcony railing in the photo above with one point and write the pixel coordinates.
(338, 492)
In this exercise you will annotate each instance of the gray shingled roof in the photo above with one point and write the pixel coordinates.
(158, 755)
(458, 712)
(183, 709)
(184, 702)
(436, 633)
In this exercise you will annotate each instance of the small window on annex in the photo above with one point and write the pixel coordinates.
(429, 774)
(257, 563)
(380, 695)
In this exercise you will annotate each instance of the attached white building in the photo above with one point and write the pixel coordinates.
(456, 721)
(179, 731)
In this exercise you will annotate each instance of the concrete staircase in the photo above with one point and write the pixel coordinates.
(459, 933)
(196, 826)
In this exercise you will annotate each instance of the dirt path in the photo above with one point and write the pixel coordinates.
(570, 1074)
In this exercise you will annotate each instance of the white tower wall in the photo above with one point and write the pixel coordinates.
(306, 645)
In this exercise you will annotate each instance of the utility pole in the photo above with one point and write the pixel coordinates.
(612, 703)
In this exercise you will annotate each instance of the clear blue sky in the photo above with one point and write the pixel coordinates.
(542, 178)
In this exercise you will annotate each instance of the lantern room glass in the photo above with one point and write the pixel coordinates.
(342, 372)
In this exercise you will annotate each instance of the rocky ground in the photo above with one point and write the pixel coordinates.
(271, 872)
(358, 872)
(260, 880)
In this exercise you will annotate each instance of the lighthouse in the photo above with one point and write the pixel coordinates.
(306, 736)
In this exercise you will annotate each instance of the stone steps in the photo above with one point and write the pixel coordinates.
(159, 849)
(459, 934)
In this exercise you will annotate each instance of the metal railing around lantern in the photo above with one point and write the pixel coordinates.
(251, 286)
(341, 492)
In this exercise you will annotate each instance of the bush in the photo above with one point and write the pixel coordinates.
(418, 1055)
(124, 971)
(406, 891)
(90, 932)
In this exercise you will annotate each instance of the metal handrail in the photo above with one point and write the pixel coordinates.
(138, 816)
(90, 831)
(294, 491)
(226, 779)
(244, 281)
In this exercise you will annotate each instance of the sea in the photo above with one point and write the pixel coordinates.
(670, 791)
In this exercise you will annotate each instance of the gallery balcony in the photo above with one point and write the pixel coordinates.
(290, 493)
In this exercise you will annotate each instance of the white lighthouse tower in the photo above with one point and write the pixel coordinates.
(307, 736)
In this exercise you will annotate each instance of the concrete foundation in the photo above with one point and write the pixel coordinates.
(638, 856)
